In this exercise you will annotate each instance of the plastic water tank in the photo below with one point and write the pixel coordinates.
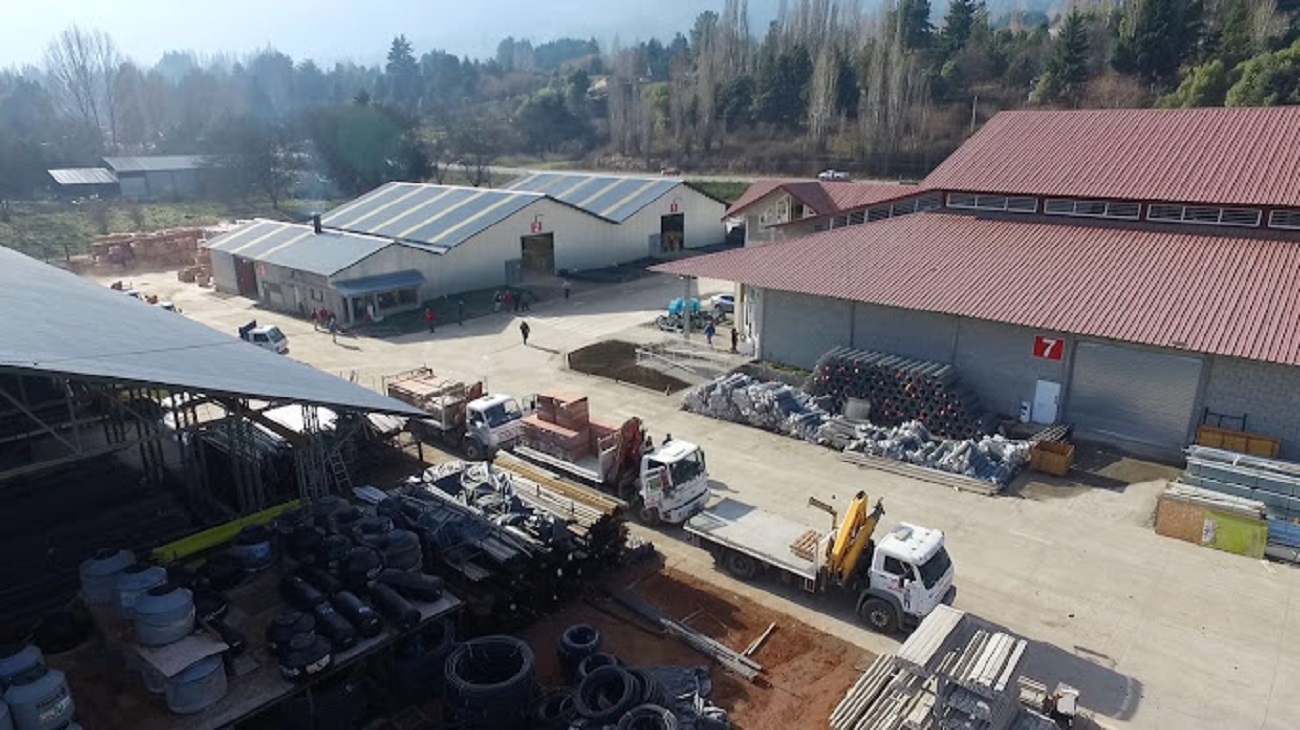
(39, 699)
(133, 581)
(16, 660)
(99, 574)
(198, 686)
(164, 614)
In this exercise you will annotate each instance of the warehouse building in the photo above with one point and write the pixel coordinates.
(779, 210)
(1136, 273)
(648, 216)
(160, 177)
(405, 243)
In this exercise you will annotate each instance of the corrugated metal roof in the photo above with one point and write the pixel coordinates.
(439, 217)
(295, 246)
(1237, 156)
(825, 198)
(1225, 295)
(83, 176)
(61, 324)
(405, 279)
(614, 198)
(156, 163)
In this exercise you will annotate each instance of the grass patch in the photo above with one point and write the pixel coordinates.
(616, 360)
(727, 192)
(51, 229)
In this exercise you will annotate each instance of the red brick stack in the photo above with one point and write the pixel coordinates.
(562, 427)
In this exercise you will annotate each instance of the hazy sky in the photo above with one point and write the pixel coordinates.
(330, 30)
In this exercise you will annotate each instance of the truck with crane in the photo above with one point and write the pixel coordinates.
(551, 439)
(894, 583)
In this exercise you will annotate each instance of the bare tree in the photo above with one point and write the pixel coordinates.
(82, 67)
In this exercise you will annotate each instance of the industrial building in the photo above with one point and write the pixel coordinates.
(649, 215)
(143, 178)
(778, 210)
(1133, 272)
(405, 243)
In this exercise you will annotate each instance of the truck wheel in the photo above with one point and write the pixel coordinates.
(740, 565)
(473, 450)
(878, 615)
(649, 516)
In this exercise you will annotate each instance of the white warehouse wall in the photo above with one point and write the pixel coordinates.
(223, 272)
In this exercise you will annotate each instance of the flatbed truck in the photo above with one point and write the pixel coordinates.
(894, 583)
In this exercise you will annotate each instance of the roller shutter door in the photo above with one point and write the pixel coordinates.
(1136, 396)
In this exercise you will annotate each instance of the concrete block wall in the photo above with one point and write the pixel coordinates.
(1268, 394)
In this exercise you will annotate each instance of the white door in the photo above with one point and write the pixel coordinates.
(1047, 400)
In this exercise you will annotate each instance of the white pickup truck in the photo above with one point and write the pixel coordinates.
(267, 338)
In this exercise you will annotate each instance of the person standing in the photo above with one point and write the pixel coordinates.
(430, 318)
(506, 300)
(460, 312)
(334, 329)
(524, 330)
(735, 340)
(566, 288)
(709, 332)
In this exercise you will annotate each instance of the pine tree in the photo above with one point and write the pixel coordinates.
(403, 74)
(957, 26)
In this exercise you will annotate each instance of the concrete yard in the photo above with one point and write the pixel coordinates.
(1156, 633)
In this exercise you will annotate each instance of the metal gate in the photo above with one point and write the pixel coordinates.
(1137, 396)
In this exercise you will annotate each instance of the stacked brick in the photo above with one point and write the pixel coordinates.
(562, 427)
(899, 390)
(170, 247)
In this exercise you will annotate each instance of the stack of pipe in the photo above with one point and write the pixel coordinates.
(780, 408)
(900, 389)
(514, 552)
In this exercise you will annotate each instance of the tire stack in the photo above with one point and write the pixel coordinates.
(900, 389)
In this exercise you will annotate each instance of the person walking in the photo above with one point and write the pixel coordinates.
(334, 329)
(566, 288)
(735, 340)
(507, 300)
(496, 302)
(524, 330)
(460, 312)
(430, 318)
(709, 332)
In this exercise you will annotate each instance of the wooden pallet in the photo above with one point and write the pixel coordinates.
(806, 546)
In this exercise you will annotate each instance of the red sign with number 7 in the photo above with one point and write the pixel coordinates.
(1049, 348)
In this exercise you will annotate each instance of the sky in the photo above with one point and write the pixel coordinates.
(334, 30)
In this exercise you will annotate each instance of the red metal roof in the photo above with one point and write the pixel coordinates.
(1241, 156)
(826, 198)
(1225, 295)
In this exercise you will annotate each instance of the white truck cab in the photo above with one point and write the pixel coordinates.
(267, 338)
(492, 422)
(674, 482)
(911, 570)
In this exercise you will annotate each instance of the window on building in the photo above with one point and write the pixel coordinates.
(1204, 215)
(317, 295)
(992, 202)
(1284, 219)
(407, 297)
(1093, 208)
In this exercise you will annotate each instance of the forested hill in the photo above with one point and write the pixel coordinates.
(885, 94)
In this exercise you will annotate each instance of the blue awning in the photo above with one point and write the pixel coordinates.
(408, 279)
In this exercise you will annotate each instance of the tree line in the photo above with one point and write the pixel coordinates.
(888, 92)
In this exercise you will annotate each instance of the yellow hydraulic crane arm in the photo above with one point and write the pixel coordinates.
(854, 516)
(860, 541)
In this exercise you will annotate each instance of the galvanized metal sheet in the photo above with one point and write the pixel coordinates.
(83, 176)
(61, 324)
(296, 246)
(614, 198)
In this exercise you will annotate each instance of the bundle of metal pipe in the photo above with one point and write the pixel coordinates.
(899, 389)
(514, 552)
(992, 459)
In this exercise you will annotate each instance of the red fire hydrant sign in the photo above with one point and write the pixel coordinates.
(1049, 348)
